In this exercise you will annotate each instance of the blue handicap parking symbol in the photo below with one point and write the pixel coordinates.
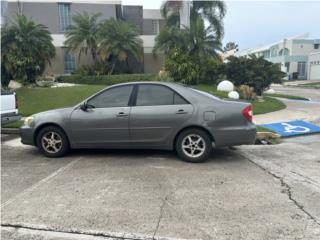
(287, 129)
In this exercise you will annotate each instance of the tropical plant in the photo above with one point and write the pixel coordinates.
(26, 48)
(211, 11)
(117, 41)
(182, 67)
(82, 35)
(197, 43)
(253, 71)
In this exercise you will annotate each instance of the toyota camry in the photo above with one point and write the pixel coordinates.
(143, 115)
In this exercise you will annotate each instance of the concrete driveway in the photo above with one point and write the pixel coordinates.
(153, 195)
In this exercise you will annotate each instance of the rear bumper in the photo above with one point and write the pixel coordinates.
(9, 118)
(236, 136)
(26, 134)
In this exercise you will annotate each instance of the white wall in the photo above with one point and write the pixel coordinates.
(314, 69)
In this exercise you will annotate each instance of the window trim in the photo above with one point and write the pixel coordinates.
(113, 87)
(134, 101)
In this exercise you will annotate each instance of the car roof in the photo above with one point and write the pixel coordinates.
(166, 83)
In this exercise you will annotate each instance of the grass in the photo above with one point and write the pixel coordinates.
(268, 105)
(315, 85)
(286, 96)
(13, 125)
(212, 90)
(34, 100)
(263, 129)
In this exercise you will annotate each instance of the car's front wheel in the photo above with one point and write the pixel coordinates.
(194, 145)
(52, 142)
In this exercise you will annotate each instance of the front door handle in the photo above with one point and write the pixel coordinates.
(122, 114)
(181, 111)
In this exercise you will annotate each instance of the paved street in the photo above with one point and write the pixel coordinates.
(251, 192)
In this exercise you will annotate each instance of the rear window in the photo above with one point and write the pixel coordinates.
(205, 94)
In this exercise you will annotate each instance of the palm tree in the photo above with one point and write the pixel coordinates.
(197, 40)
(211, 11)
(26, 48)
(202, 41)
(83, 33)
(118, 40)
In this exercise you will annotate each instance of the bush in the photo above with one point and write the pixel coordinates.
(211, 71)
(107, 79)
(182, 66)
(253, 71)
(96, 69)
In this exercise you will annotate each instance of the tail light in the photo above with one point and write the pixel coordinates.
(247, 113)
(17, 102)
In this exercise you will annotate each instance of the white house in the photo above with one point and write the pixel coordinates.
(294, 54)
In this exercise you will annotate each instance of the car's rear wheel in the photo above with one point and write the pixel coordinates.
(52, 142)
(194, 145)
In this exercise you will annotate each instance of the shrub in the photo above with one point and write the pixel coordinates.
(182, 67)
(107, 79)
(96, 69)
(211, 71)
(253, 71)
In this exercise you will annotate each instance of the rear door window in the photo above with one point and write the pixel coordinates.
(155, 95)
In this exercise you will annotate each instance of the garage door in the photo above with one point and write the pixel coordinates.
(315, 71)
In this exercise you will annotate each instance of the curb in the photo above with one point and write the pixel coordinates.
(10, 130)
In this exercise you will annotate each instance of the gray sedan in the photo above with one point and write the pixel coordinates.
(144, 115)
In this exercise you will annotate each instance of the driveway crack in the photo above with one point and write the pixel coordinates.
(164, 201)
(68, 233)
(287, 190)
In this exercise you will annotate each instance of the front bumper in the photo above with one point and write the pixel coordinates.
(27, 133)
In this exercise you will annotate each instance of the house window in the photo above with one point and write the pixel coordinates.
(64, 16)
(155, 27)
(316, 46)
(69, 62)
(302, 68)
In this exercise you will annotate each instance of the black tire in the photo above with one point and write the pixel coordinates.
(63, 147)
(207, 146)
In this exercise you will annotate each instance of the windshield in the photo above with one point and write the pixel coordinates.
(205, 94)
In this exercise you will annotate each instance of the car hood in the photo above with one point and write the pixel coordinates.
(63, 110)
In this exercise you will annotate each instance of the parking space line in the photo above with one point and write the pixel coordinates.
(41, 182)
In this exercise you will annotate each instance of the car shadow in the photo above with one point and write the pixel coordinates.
(218, 155)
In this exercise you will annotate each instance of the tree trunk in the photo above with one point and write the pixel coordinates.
(113, 66)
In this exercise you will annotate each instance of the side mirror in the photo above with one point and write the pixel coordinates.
(84, 106)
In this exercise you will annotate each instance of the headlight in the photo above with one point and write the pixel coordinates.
(28, 121)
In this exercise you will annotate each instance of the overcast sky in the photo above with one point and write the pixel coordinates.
(251, 23)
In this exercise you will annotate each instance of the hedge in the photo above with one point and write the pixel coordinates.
(107, 79)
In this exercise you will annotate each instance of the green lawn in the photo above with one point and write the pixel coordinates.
(211, 89)
(315, 85)
(268, 105)
(14, 124)
(286, 96)
(34, 100)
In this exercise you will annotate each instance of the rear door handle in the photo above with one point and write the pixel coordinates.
(181, 111)
(122, 114)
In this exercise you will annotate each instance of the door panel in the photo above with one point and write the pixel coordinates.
(100, 126)
(105, 122)
(151, 125)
